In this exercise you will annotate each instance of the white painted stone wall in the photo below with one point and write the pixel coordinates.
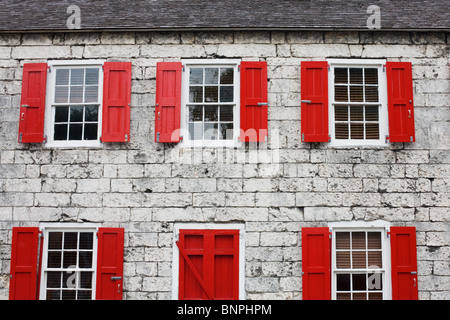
(146, 187)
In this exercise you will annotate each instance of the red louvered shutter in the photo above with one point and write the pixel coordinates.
(24, 263)
(168, 102)
(314, 103)
(254, 106)
(404, 263)
(116, 102)
(209, 265)
(316, 264)
(32, 103)
(110, 264)
(400, 102)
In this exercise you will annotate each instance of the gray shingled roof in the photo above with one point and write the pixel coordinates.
(41, 15)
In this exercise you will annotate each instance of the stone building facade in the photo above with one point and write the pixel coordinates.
(269, 191)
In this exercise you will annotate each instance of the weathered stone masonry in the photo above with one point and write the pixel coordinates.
(274, 191)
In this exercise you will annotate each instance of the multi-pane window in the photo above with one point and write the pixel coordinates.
(358, 105)
(76, 104)
(69, 265)
(210, 102)
(358, 266)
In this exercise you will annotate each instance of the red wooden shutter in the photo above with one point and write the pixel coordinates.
(24, 263)
(314, 103)
(254, 127)
(404, 263)
(110, 264)
(400, 102)
(168, 102)
(316, 264)
(32, 103)
(116, 102)
(209, 264)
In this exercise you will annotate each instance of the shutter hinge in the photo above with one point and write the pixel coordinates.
(411, 139)
(303, 137)
(49, 68)
(386, 138)
(20, 137)
(329, 67)
(45, 139)
(329, 138)
(126, 137)
(384, 68)
(239, 68)
(157, 137)
(182, 67)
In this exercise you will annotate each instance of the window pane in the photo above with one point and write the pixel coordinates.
(371, 94)
(91, 113)
(371, 76)
(371, 113)
(356, 131)
(373, 240)
(61, 94)
(77, 77)
(54, 279)
(85, 259)
(358, 240)
(195, 94)
(374, 259)
(61, 114)
(60, 132)
(226, 75)
(76, 94)
(53, 295)
(359, 259)
(91, 76)
(341, 131)
(86, 280)
(226, 131)
(196, 76)
(341, 75)
(195, 113)
(211, 131)
(356, 94)
(91, 94)
(342, 240)
(211, 94)
(356, 113)
(226, 94)
(226, 113)
(211, 75)
(196, 130)
(372, 131)
(211, 113)
(76, 114)
(62, 77)
(341, 113)
(75, 131)
(359, 281)
(90, 131)
(343, 282)
(55, 240)
(69, 259)
(86, 240)
(356, 76)
(341, 93)
(68, 295)
(343, 259)
(54, 259)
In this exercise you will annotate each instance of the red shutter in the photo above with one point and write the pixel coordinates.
(32, 103)
(314, 103)
(209, 264)
(168, 102)
(400, 102)
(116, 102)
(24, 263)
(316, 264)
(110, 264)
(404, 263)
(254, 125)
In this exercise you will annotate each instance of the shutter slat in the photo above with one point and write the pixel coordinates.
(316, 264)
(32, 103)
(116, 102)
(24, 263)
(400, 102)
(168, 102)
(254, 99)
(314, 105)
(404, 263)
(110, 264)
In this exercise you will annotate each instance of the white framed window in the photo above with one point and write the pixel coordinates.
(358, 113)
(360, 262)
(69, 261)
(73, 104)
(210, 103)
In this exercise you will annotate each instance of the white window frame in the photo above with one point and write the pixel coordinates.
(355, 226)
(383, 110)
(205, 226)
(202, 63)
(50, 98)
(45, 228)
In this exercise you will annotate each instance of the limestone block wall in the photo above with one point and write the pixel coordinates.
(272, 190)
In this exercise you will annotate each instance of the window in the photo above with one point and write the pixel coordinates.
(356, 102)
(75, 106)
(210, 103)
(359, 265)
(75, 103)
(69, 265)
(359, 261)
(209, 262)
(76, 261)
(358, 109)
